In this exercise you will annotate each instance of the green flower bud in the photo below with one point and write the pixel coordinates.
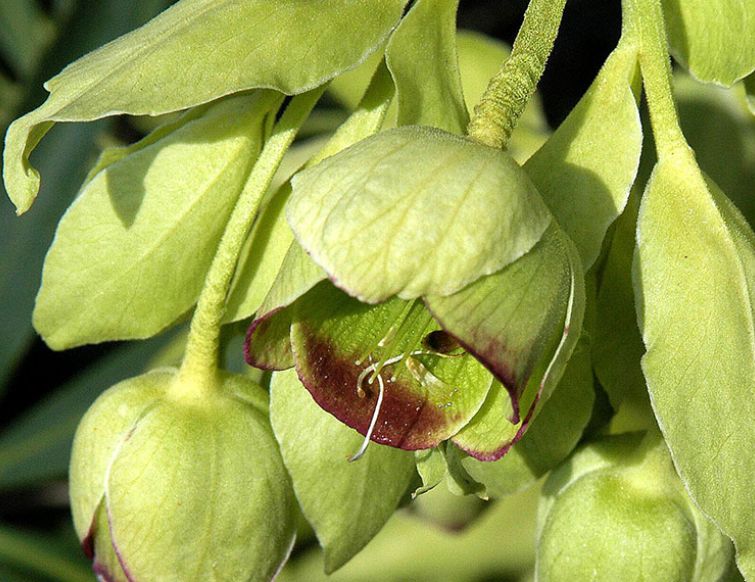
(617, 511)
(175, 487)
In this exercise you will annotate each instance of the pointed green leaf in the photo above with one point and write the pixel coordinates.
(120, 266)
(617, 347)
(349, 353)
(695, 289)
(714, 40)
(523, 323)
(585, 170)
(551, 437)
(414, 211)
(283, 45)
(422, 58)
(346, 503)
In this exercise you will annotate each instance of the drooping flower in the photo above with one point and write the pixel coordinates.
(453, 298)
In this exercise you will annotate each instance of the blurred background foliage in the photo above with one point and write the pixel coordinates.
(43, 394)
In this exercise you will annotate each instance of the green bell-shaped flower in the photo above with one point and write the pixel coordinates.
(454, 298)
(617, 511)
(168, 488)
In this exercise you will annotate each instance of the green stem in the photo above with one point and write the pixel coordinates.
(509, 91)
(198, 372)
(655, 66)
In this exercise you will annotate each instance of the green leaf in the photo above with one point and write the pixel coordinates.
(694, 276)
(714, 41)
(414, 211)
(617, 347)
(41, 555)
(126, 235)
(585, 170)
(480, 57)
(368, 366)
(422, 58)
(551, 437)
(346, 503)
(271, 251)
(499, 545)
(522, 323)
(284, 45)
(25, 33)
(722, 133)
(36, 447)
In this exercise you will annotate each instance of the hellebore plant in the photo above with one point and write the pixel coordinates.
(474, 298)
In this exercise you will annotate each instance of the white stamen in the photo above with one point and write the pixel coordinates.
(363, 449)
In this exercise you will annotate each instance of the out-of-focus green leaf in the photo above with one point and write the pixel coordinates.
(422, 58)
(714, 40)
(499, 545)
(25, 32)
(36, 447)
(346, 503)
(38, 555)
(63, 158)
(234, 47)
(723, 136)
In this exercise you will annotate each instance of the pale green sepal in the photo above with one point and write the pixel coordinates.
(346, 503)
(715, 41)
(480, 57)
(617, 511)
(415, 211)
(283, 45)
(198, 491)
(120, 266)
(694, 279)
(297, 273)
(585, 170)
(553, 434)
(421, 55)
(523, 323)
(98, 436)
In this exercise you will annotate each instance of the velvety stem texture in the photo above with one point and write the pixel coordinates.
(199, 368)
(655, 65)
(509, 91)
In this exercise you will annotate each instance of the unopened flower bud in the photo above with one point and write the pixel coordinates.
(170, 488)
(618, 511)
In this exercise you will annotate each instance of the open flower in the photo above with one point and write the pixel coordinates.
(429, 327)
